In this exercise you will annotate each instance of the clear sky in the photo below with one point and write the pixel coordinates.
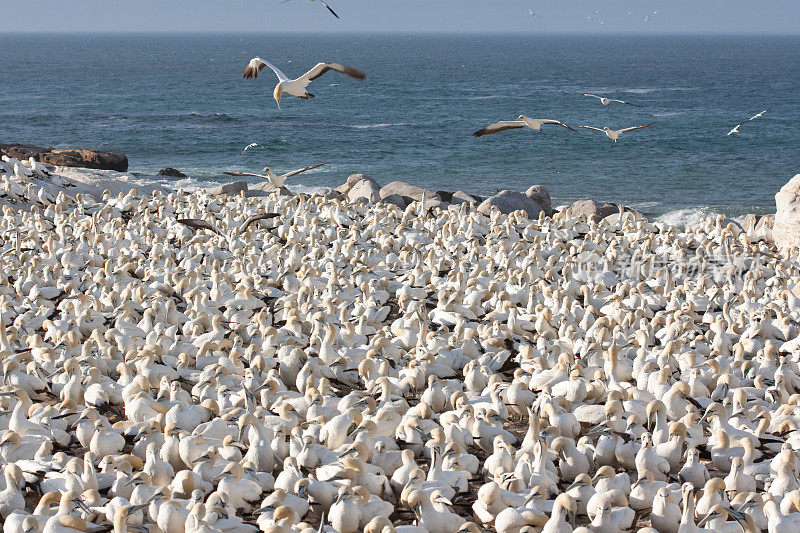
(585, 16)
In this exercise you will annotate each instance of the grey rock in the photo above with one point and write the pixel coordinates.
(171, 173)
(352, 179)
(445, 196)
(540, 195)
(786, 229)
(590, 208)
(461, 197)
(406, 189)
(266, 188)
(233, 188)
(331, 194)
(365, 188)
(510, 201)
(394, 199)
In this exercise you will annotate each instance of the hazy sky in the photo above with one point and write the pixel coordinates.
(641, 16)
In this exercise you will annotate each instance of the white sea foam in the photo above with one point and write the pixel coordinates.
(687, 216)
(381, 125)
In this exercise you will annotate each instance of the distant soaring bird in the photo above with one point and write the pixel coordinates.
(736, 128)
(297, 87)
(324, 4)
(521, 122)
(614, 134)
(607, 101)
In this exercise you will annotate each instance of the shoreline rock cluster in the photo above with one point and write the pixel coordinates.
(67, 157)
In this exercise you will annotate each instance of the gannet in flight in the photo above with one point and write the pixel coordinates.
(275, 180)
(521, 122)
(324, 4)
(614, 134)
(736, 128)
(607, 101)
(297, 87)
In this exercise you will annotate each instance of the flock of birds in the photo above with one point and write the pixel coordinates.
(299, 87)
(187, 362)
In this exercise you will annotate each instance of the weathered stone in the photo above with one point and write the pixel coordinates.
(233, 188)
(590, 208)
(786, 230)
(540, 195)
(510, 201)
(266, 188)
(79, 157)
(365, 188)
(406, 189)
(445, 196)
(352, 179)
(171, 173)
(331, 194)
(460, 197)
(394, 199)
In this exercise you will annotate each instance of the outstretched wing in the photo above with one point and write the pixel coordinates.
(557, 123)
(329, 9)
(255, 66)
(299, 171)
(626, 103)
(196, 223)
(636, 128)
(593, 128)
(321, 68)
(256, 218)
(592, 95)
(246, 174)
(759, 115)
(500, 126)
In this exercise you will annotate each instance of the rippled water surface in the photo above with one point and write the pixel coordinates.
(180, 101)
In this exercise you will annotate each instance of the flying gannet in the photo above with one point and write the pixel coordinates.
(521, 122)
(614, 134)
(297, 87)
(607, 101)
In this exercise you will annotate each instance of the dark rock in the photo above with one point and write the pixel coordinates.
(395, 199)
(540, 195)
(445, 196)
(510, 201)
(171, 173)
(78, 157)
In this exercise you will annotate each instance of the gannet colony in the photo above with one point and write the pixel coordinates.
(204, 362)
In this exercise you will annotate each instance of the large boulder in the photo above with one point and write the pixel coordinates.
(540, 195)
(786, 230)
(395, 199)
(352, 179)
(367, 188)
(590, 208)
(266, 188)
(461, 197)
(78, 157)
(406, 190)
(510, 201)
(232, 188)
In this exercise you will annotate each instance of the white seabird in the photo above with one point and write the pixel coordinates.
(521, 122)
(275, 180)
(297, 86)
(606, 101)
(739, 125)
(614, 134)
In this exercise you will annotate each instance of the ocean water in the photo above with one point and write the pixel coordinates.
(180, 101)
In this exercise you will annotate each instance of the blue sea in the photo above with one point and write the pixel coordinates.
(180, 101)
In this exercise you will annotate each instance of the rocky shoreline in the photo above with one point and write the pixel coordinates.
(100, 173)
